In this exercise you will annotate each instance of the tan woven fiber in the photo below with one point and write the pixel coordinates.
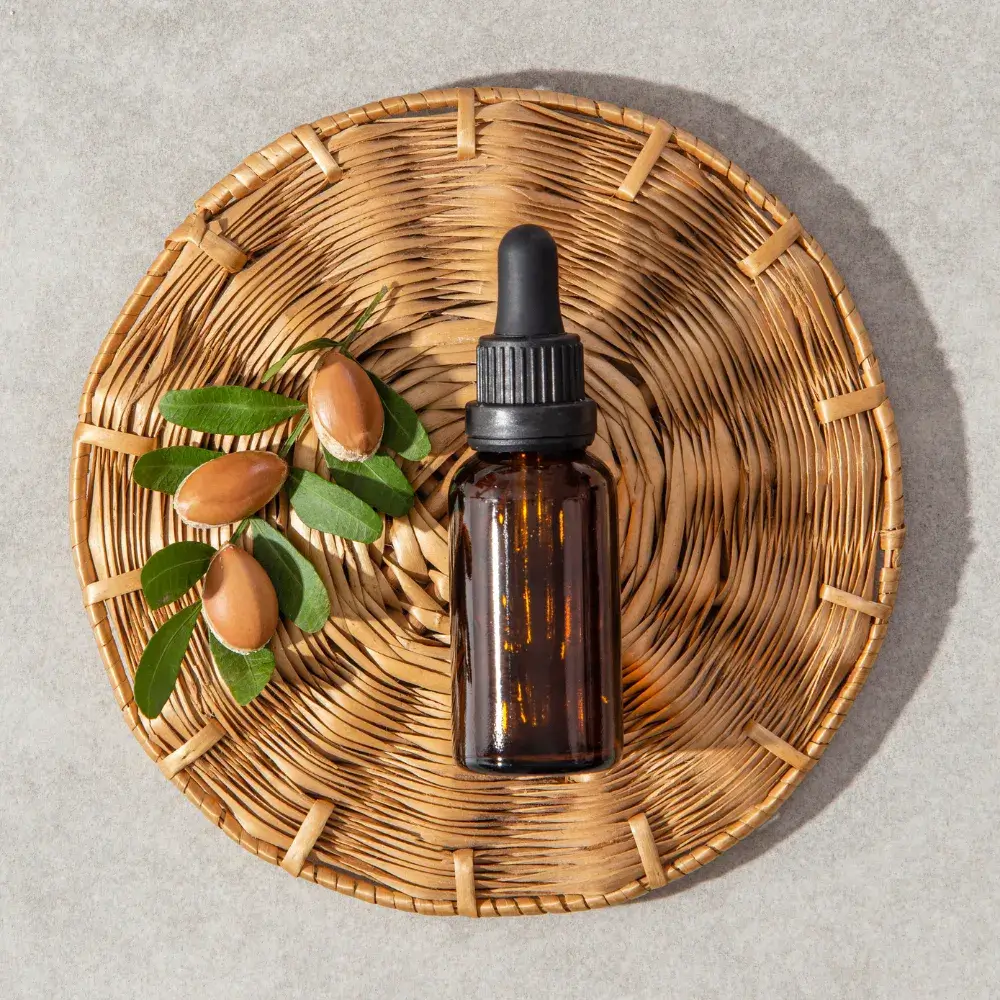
(742, 414)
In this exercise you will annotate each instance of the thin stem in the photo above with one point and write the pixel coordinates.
(360, 322)
(240, 528)
(291, 439)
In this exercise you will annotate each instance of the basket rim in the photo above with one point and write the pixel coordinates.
(250, 175)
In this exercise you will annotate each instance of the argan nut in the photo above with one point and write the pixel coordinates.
(346, 409)
(229, 488)
(239, 601)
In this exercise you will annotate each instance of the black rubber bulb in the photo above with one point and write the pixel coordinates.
(528, 285)
(530, 393)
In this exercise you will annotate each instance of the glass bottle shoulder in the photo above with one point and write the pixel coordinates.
(488, 474)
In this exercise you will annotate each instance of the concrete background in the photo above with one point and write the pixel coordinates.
(878, 124)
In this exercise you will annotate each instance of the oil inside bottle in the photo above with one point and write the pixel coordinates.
(535, 606)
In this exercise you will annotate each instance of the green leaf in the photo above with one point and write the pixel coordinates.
(161, 661)
(378, 481)
(245, 674)
(309, 345)
(228, 409)
(174, 570)
(302, 597)
(404, 433)
(165, 469)
(328, 507)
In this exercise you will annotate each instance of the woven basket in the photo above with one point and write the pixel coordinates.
(742, 414)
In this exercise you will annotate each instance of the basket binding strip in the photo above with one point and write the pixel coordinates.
(729, 360)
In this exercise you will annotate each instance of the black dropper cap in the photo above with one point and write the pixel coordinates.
(529, 373)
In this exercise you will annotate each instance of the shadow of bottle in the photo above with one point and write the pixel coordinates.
(922, 389)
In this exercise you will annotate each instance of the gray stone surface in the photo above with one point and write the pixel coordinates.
(878, 124)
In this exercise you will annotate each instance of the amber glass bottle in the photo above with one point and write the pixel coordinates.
(534, 549)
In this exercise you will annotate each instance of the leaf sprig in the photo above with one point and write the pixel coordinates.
(349, 505)
(161, 661)
(302, 595)
(165, 469)
(246, 674)
(228, 409)
(379, 482)
(404, 433)
(328, 507)
(170, 573)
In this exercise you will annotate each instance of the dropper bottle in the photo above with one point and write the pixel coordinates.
(536, 633)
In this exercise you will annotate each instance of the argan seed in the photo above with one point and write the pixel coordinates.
(346, 409)
(229, 488)
(239, 601)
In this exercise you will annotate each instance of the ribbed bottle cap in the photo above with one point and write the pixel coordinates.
(529, 373)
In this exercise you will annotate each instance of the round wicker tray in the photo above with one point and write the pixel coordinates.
(742, 413)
